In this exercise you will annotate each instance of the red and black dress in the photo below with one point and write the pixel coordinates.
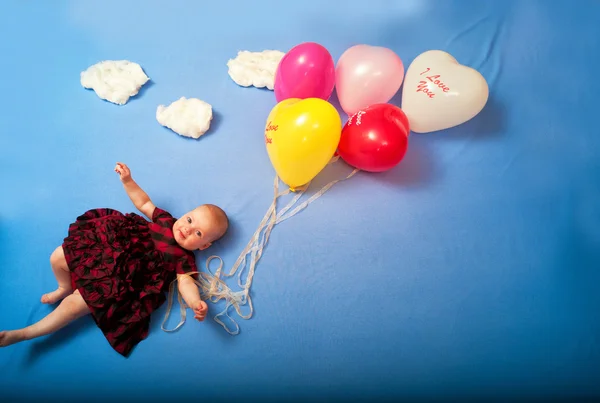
(122, 265)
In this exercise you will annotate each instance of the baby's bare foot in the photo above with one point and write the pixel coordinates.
(11, 337)
(55, 296)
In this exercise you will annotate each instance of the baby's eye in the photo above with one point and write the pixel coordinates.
(198, 233)
(189, 220)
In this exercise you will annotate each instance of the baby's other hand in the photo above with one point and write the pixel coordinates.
(200, 309)
(123, 171)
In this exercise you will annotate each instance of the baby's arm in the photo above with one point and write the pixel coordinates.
(139, 198)
(189, 291)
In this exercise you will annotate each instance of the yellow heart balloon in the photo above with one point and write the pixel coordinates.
(301, 136)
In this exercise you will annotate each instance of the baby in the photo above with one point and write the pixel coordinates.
(117, 267)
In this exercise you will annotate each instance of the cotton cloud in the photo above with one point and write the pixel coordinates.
(255, 68)
(114, 80)
(186, 117)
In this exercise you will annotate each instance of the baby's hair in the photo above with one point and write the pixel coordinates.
(221, 219)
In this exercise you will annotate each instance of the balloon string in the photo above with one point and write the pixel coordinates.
(214, 289)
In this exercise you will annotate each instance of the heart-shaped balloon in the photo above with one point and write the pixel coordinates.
(367, 75)
(301, 136)
(440, 93)
(375, 139)
(305, 71)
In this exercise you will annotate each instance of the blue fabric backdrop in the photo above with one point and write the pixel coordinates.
(470, 270)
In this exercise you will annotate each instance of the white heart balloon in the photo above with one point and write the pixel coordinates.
(440, 93)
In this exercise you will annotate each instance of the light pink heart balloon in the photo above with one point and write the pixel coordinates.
(367, 75)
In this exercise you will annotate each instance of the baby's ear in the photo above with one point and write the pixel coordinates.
(206, 245)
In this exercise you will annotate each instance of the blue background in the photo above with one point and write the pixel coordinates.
(469, 270)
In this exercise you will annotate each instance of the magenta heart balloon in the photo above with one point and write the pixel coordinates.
(366, 75)
(306, 71)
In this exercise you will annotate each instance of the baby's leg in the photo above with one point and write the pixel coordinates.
(71, 308)
(61, 272)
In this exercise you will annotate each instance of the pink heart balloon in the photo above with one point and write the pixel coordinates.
(306, 71)
(367, 75)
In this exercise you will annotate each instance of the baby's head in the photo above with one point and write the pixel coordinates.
(199, 228)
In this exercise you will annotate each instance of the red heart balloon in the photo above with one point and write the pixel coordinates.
(375, 139)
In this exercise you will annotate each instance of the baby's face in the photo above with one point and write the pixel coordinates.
(195, 229)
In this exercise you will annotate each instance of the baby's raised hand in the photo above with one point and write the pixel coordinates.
(200, 309)
(123, 171)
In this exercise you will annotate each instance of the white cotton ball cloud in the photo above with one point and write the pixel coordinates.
(186, 117)
(255, 68)
(114, 80)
